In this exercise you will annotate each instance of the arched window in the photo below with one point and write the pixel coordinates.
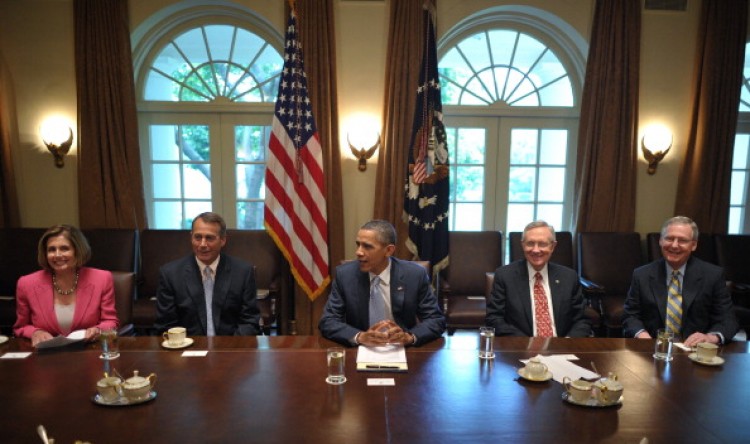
(207, 81)
(511, 79)
(739, 223)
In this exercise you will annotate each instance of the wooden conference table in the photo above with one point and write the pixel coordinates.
(272, 390)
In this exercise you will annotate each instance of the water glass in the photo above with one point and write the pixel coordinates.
(108, 341)
(486, 342)
(335, 358)
(664, 341)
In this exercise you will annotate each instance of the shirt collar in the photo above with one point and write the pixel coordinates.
(213, 265)
(385, 275)
(533, 272)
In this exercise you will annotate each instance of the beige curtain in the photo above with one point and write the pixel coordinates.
(403, 60)
(110, 185)
(317, 33)
(9, 212)
(705, 173)
(605, 183)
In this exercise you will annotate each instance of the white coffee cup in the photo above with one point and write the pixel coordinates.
(175, 336)
(535, 369)
(579, 389)
(706, 351)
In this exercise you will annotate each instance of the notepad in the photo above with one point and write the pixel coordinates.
(389, 358)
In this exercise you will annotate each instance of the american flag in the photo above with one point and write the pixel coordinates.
(295, 207)
(426, 192)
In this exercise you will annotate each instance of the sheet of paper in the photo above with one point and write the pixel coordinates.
(560, 367)
(195, 353)
(59, 341)
(381, 381)
(16, 355)
(383, 354)
(683, 346)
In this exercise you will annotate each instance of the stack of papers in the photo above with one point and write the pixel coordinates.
(59, 341)
(389, 358)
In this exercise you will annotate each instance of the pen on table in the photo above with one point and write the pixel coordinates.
(382, 366)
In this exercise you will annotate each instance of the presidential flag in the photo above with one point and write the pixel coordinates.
(295, 206)
(427, 188)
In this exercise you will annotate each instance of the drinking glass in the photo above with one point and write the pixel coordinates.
(664, 341)
(336, 357)
(486, 342)
(108, 341)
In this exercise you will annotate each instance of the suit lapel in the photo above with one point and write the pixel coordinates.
(691, 282)
(524, 293)
(43, 293)
(221, 287)
(658, 286)
(397, 290)
(194, 285)
(84, 296)
(363, 289)
(554, 289)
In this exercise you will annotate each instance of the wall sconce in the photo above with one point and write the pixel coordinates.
(655, 144)
(57, 136)
(362, 154)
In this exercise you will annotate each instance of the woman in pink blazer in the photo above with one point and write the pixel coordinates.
(64, 296)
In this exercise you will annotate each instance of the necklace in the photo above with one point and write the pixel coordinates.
(66, 292)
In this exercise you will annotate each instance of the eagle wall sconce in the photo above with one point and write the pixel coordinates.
(655, 144)
(362, 154)
(57, 136)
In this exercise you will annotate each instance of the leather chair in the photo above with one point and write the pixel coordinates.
(20, 257)
(605, 266)
(731, 253)
(563, 255)
(462, 285)
(272, 275)
(124, 283)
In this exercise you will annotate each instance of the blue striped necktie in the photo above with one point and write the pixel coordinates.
(208, 290)
(674, 304)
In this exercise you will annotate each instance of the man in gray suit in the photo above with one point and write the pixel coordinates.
(208, 293)
(524, 304)
(378, 299)
(706, 305)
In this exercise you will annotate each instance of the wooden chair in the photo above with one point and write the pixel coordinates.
(124, 283)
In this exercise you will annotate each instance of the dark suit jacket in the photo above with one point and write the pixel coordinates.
(706, 303)
(180, 299)
(509, 308)
(347, 311)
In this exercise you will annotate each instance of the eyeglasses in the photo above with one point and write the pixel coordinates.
(680, 240)
(542, 245)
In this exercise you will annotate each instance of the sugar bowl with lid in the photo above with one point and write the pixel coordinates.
(138, 388)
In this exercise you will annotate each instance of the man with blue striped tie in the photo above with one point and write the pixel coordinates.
(679, 292)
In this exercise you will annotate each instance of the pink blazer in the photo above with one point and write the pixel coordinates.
(95, 303)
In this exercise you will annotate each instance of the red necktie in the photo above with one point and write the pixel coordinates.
(541, 309)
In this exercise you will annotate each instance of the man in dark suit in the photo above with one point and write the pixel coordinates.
(208, 293)
(378, 299)
(524, 304)
(706, 305)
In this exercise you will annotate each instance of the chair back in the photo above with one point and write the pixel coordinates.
(731, 252)
(113, 249)
(124, 287)
(609, 259)
(472, 254)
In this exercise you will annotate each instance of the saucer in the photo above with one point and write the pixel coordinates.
(3, 339)
(717, 360)
(591, 402)
(186, 343)
(122, 401)
(546, 377)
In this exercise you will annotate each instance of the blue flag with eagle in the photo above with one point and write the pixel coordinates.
(427, 187)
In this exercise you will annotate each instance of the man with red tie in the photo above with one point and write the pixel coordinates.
(535, 297)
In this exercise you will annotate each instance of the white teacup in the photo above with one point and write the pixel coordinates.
(109, 388)
(579, 390)
(535, 369)
(175, 336)
(608, 390)
(706, 351)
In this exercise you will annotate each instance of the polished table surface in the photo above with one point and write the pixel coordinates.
(272, 389)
